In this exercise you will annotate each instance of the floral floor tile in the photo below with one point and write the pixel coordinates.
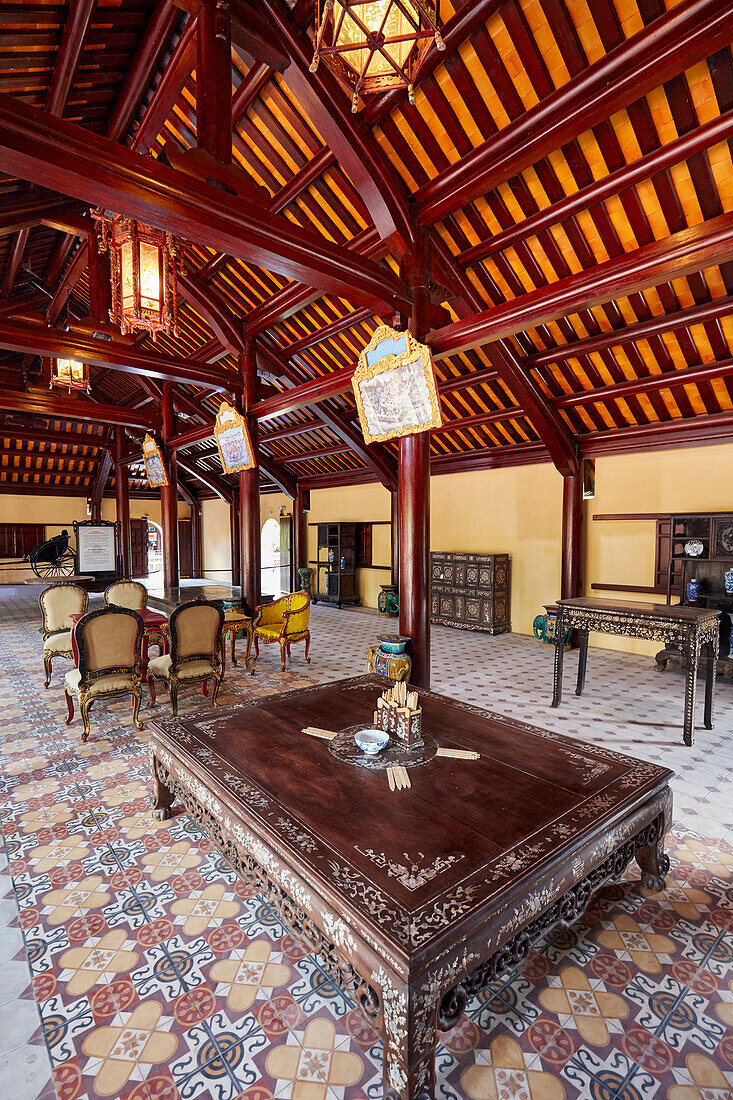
(160, 976)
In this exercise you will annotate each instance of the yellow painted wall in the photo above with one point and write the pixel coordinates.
(355, 504)
(57, 512)
(689, 479)
(519, 511)
(216, 548)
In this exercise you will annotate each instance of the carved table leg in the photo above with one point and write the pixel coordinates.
(711, 664)
(582, 662)
(559, 647)
(654, 863)
(410, 1035)
(164, 798)
(692, 656)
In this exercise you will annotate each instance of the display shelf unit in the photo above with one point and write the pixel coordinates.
(714, 531)
(336, 564)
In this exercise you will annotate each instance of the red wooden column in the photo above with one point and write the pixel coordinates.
(395, 539)
(572, 536)
(214, 79)
(249, 488)
(234, 531)
(169, 494)
(300, 535)
(196, 539)
(414, 494)
(122, 500)
(96, 511)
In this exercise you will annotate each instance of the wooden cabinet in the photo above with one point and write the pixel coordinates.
(336, 564)
(472, 591)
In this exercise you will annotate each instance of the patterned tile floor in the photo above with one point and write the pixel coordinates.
(156, 975)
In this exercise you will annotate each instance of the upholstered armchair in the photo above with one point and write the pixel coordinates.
(126, 593)
(56, 604)
(195, 653)
(109, 642)
(284, 621)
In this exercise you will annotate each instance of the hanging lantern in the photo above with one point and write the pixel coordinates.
(373, 45)
(69, 373)
(395, 387)
(143, 272)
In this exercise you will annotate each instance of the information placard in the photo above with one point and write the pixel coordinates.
(96, 548)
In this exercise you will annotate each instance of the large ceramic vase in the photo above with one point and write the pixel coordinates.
(305, 580)
(389, 657)
(728, 581)
(388, 600)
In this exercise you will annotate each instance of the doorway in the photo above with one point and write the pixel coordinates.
(270, 558)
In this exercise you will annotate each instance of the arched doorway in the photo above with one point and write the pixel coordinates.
(270, 558)
(155, 547)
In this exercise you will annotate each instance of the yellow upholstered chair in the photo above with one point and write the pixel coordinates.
(284, 621)
(195, 655)
(126, 593)
(109, 642)
(56, 604)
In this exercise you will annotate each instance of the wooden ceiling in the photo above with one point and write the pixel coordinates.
(569, 160)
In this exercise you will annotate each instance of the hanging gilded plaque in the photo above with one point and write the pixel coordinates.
(154, 468)
(395, 388)
(233, 440)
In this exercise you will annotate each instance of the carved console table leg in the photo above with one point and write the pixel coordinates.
(692, 656)
(164, 797)
(712, 649)
(410, 1036)
(559, 647)
(582, 662)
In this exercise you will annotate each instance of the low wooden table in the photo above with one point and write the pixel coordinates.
(690, 629)
(415, 898)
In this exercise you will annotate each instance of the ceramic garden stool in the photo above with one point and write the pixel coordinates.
(388, 600)
(389, 657)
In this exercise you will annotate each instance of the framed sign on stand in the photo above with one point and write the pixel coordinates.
(97, 549)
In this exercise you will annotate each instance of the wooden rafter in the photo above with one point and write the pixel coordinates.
(98, 171)
(688, 33)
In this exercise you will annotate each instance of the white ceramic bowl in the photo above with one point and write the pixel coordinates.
(371, 741)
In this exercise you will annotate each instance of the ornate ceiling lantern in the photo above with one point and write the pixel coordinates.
(69, 374)
(373, 45)
(143, 271)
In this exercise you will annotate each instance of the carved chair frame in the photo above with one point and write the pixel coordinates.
(282, 638)
(86, 698)
(172, 680)
(68, 653)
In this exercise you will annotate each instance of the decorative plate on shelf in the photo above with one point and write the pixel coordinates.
(694, 548)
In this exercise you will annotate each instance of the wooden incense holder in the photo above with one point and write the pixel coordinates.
(399, 715)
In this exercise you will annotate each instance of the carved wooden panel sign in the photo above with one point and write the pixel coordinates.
(233, 440)
(154, 467)
(395, 388)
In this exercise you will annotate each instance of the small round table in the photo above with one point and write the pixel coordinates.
(234, 623)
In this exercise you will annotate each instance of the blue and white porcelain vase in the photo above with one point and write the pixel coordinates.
(693, 590)
(728, 581)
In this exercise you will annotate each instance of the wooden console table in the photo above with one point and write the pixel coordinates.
(499, 849)
(689, 629)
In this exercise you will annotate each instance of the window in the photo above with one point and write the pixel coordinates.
(363, 544)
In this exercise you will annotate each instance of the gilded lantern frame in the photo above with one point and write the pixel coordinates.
(235, 420)
(151, 451)
(365, 371)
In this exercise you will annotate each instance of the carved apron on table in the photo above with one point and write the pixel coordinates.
(412, 937)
